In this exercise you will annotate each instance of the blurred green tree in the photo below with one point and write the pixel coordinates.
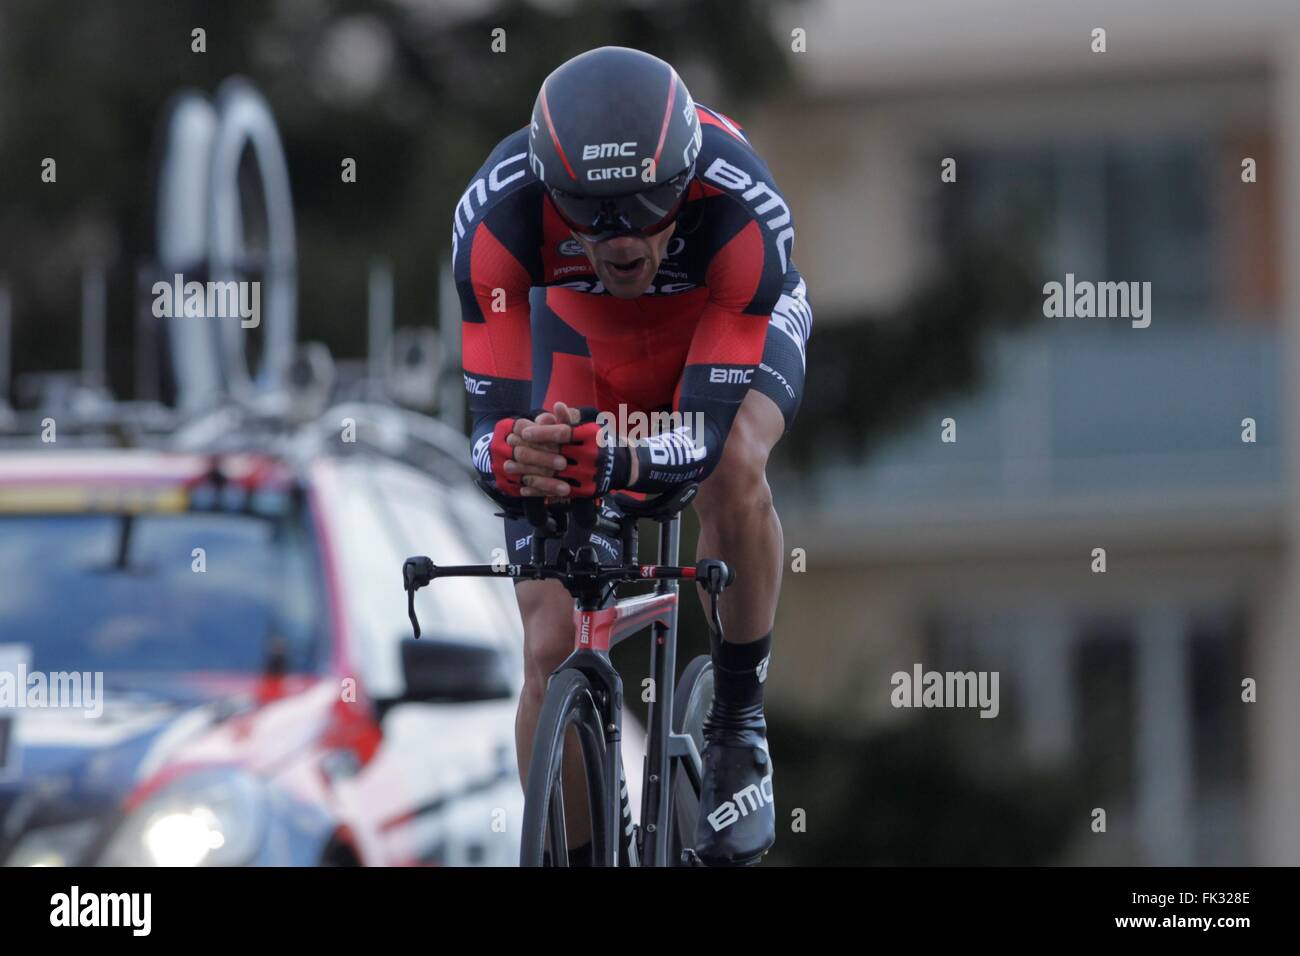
(413, 92)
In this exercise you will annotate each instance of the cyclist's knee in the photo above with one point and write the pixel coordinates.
(547, 612)
(739, 482)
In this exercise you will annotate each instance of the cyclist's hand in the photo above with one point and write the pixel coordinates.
(593, 464)
(537, 452)
(554, 428)
(516, 464)
(527, 468)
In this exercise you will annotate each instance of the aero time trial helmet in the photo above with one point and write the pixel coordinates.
(614, 139)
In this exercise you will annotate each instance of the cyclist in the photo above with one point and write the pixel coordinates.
(629, 252)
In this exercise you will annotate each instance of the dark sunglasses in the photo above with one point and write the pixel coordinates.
(644, 213)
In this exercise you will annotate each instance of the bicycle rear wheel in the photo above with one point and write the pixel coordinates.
(568, 704)
(691, 702)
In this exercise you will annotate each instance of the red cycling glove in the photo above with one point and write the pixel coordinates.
(595, 465)
(502, 453)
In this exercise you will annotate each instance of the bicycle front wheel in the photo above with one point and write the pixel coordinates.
(691, 702)
(568, 705)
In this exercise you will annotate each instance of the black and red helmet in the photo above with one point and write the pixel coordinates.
(614, 139)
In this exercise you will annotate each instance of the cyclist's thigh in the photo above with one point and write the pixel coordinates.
(780, 374)
(545, 607)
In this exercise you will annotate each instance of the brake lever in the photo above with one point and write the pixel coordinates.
(416, 573)
(716, 576)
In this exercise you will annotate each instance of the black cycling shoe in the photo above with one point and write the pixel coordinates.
(737, 822)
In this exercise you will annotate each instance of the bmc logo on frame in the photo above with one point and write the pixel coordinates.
(584, 634)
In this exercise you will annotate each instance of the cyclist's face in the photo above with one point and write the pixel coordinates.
(626, 265)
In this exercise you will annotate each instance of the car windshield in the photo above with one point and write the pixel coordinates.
(124, 593)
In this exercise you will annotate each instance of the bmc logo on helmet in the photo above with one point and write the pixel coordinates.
(606, 150)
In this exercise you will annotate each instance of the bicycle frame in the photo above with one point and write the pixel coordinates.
(600, 621)
(596, 631)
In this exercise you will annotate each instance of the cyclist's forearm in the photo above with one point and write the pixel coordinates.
(492, 399)
(689, 452)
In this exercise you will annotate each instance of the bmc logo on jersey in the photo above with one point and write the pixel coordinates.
(735, 179)
(606, 150)
(483, 455)
(476, 386)
(476, 196)
(731, 376)
(677, 447)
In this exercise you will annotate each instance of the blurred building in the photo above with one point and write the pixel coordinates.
(1088, 433)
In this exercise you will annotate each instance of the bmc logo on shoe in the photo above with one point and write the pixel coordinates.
(741, 804)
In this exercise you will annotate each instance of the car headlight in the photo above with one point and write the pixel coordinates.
(60, 845)
(209, 818)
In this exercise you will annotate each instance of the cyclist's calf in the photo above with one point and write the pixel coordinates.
(738, 522)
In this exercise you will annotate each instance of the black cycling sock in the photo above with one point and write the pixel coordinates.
(739, 671)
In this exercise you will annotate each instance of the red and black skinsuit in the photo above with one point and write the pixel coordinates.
(726, 312)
